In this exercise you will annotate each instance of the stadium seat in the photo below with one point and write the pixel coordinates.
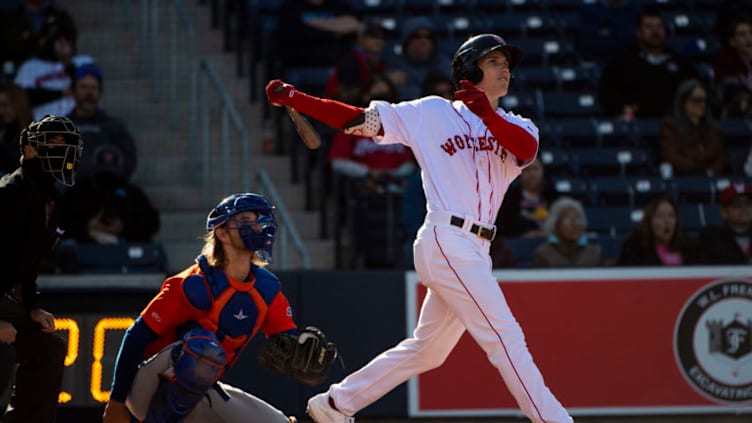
(683, 23)
(626, 191)
(610, 220)
(580, 132)
(646, 131)
(574, 187)
(581, 77)
(537, 77)
(523, 249)
(696, 47)
(521, 102)
(570, 104)
(711, 215)
(309, 79)
(613, 162)
(610, 244)
(736, 158)
(557, 161)
(111, 258)
(691, 217)
(736, 131)
(694, 189)
(547, 50)
(519, 25)
(516, 6)
(615, 132)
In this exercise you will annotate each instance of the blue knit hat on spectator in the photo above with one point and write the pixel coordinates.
(88, 69)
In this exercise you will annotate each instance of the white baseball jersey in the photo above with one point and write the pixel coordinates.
(49, 75)
(466, 173)
(465, 170)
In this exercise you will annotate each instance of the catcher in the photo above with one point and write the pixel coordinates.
(202, 319)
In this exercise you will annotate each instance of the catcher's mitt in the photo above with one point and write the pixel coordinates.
(306, 357)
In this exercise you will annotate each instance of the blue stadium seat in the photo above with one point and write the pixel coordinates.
(574, 187)
(521, 102)
(697, 48)
(626, 191)
(736, 158)
(691, 217)
(580, 132)
(113, 258)
(523, 249)
(579, 77)
(683, 22)
(547, 50)
(570, 104)
(611, 220)
(537, 77)
(557, 161)
(309, 79)
(711, 215)
(694, 189)
(615, 132)
(646, 131)
(610, 244)
(516, 25)
(456, 27)
(516, 6)
(613, 162)
(736, 131)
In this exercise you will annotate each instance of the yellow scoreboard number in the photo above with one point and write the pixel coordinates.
(93, 341)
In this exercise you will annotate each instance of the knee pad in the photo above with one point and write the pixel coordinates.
(198, 360)
(197, 363)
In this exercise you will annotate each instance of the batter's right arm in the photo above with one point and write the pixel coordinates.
(331, 112)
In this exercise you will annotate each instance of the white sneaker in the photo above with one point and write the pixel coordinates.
(321, 412)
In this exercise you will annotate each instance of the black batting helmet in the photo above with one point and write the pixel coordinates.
(465, 61)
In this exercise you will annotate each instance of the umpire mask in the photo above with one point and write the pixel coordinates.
(257, 234)
(57, 144)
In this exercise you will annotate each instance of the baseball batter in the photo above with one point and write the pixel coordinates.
(469, 151)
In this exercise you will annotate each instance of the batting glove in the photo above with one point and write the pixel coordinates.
(280, 93)
(475, 99)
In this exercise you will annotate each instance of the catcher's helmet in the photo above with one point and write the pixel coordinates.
(465, 61)
(59, 156)
(257, 235)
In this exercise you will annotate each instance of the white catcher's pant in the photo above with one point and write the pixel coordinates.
(240, 407)
(462, 294)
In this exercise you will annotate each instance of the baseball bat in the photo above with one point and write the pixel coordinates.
(309, 135)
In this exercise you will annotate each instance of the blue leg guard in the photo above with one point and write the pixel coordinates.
(198, 363)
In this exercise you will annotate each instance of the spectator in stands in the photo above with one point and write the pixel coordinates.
(314, 32)
(525, 207)
(748, 164)
(732, 68)
(606, 27)
(438, 84)
(502, 255)
(659, 239)
(354, 71)
(29, 231)
(106, 209)
(642, 79)
(20, 30)
(732, 242)
(419, 56)
(728, 10)
(47, 76)
(381, 165)
(689, 140)
(15, 114)
(109, 145)
(567, 245)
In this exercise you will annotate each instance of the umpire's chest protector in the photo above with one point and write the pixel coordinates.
(234, 310)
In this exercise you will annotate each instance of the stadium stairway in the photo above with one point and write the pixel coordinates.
(109, 32)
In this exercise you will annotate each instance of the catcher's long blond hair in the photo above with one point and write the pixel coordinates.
(214, 250)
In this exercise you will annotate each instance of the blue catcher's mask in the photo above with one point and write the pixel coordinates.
(257, 234)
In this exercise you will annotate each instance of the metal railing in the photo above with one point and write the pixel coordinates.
(196, 92)
(287, 229)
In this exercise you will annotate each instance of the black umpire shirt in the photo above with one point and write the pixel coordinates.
(28, 228)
